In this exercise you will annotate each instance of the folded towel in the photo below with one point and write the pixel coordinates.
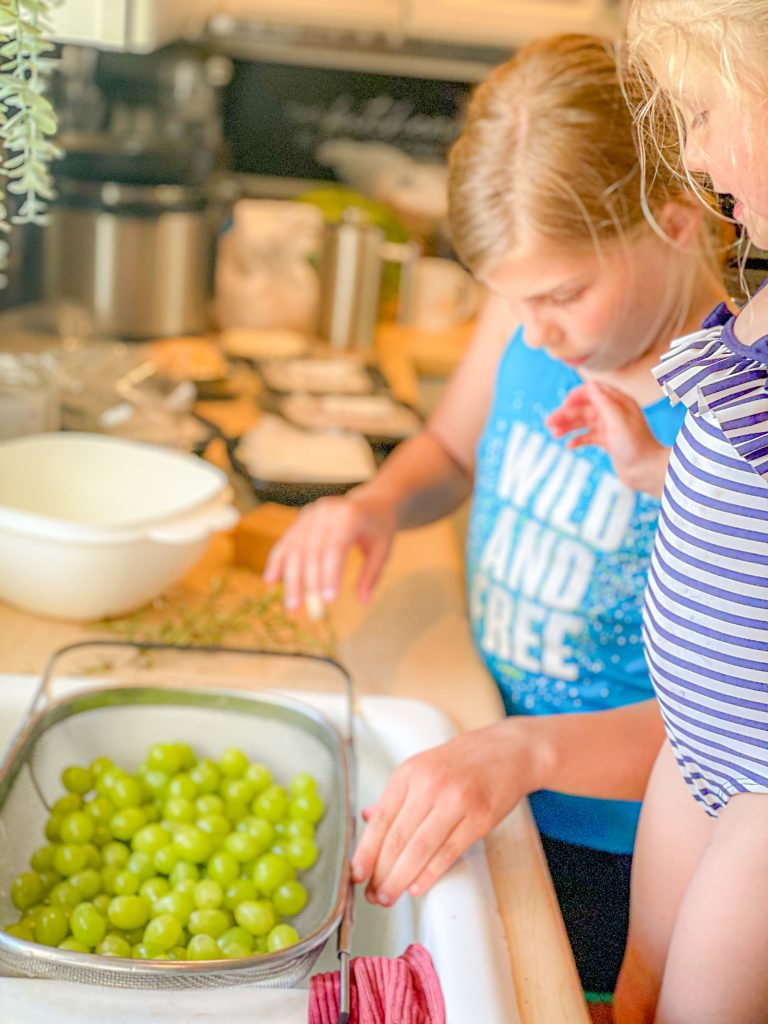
(403, 990)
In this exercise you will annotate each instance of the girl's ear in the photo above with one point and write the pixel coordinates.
(680, 222)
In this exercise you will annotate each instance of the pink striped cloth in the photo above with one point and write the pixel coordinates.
(384, 990)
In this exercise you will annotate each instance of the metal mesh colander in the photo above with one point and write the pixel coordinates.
(122, 721)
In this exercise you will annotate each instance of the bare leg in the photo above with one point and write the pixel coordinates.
(717, 968)
(672, 833)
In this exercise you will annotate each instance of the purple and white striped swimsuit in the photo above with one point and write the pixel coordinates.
(706, 609)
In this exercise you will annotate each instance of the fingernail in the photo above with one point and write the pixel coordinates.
(357, 873)
(291, 603)
(329, 594)
(383, 899)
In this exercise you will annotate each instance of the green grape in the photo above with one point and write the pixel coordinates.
(237, 935)
(76, 827)
(235, 810)
(52, 926)
(87, 924)
(241, 846)
(236, 950)
(128, 911)
(102, 834)
(179, 809)
(163, 932)
(165, 757)
(140, 863)
(183, 787)
(298, 827)
(153, 811)
(126, 792)
(183, 871)
(179, 904)
(307, 806)
(203, 947)
(209, 803)
(48, 879)
(77, 780)
(233, 763)
(52, 827)
(100, 809)
(165, 859)
(188, 758)
(238, 892)
(143, 951)
(64, 894)
(260, 944)
(272, 804)
(192, 844)
(150, 839)
(92, 855)
(290, 898)
(279, 848)
(20, 931)
(214, 824)
(127, 822)
(114, 945)
(208, 922)
(99, 765)
(206, 776)
(108, 876)
(270, 871)
(154, 889)
(73, 946)
(115, 854)
(177, 953)
(240, 790)
(87, 883)
(42, 858)
(101, 902)
(260, 776)
(282, 936)
(133, 935)
(256, 916)
(302, 783)
(67, 804)
(69, 859)
(263, 831)
(223, 868)
(156, 783)
(126, 883)
(208, 895)
(301, 853)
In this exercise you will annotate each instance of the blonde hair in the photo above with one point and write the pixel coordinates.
(548, 153)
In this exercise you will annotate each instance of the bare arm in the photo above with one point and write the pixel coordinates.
(441, 801)
(423, 480)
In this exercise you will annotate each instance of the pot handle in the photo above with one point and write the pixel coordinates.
(196, 528)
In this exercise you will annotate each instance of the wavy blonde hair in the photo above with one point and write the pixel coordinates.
(548, 153)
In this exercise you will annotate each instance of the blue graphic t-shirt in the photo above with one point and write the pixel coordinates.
(557, 557)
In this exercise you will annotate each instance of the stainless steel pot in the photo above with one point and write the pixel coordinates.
(138, 257)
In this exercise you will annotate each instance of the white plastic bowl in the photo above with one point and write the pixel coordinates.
(94, 526)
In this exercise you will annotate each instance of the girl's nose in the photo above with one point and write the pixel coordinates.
(540, 332)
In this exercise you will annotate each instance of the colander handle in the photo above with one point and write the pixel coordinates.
(345, 954)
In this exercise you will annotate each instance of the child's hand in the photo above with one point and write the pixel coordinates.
(310, 557)
(606, 417)
(434, 807)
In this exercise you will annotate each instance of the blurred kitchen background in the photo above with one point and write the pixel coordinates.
(253, 165)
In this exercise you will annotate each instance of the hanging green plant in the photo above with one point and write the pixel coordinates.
(27, 119)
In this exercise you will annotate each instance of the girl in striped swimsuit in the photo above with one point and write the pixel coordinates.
(698, 940)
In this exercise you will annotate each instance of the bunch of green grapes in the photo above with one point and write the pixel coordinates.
(186, 860)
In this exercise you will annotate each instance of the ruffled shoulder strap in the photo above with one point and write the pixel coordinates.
(701, 371)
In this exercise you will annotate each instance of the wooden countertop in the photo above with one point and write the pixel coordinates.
(413, 640)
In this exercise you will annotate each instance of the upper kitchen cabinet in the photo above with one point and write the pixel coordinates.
(506, 22)
(382, 15)
(136, 25)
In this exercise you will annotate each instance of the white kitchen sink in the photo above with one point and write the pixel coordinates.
(457, 921)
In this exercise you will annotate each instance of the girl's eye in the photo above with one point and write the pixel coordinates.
(699, 120)
(565, 299)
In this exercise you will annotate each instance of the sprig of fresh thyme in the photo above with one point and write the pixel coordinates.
(27, 119)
